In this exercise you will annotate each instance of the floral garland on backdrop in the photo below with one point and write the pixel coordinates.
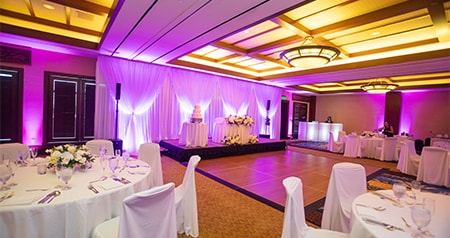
(239, 120)
(69, 156)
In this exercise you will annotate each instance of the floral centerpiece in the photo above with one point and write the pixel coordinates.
(69, 156)
(240, 120)
(252, 139)
(232, 140)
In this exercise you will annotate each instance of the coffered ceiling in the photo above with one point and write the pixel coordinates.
(405, 42)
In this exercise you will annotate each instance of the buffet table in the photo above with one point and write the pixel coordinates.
(393, 215)
(75, 212)
(230, 130)
(318, 131)
(194, 135)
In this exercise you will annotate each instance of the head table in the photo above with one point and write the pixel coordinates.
(75, 212)
(394, 215)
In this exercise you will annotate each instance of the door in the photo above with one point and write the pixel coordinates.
(11, 103)
(300, 113)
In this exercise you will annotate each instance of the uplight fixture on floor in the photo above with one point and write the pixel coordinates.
(379, 86)
(309, 55)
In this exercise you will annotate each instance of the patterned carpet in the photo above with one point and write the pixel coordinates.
(310, 145)
(379, 181)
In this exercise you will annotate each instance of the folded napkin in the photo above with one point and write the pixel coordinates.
(20, 200)
(36, 161)
(108, 184)
(138, 170)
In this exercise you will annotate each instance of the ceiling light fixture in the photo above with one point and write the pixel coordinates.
(48, 6)
(379, 86)
(309, 55)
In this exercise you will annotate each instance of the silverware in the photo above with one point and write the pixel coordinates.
(92, 188)
(6, 196)
(47, 197)
(382, 196)
(37, 189)
(102, 178)
(55, 194)
(137, 166)
(386, 225)
(379, 208)
(406, 223)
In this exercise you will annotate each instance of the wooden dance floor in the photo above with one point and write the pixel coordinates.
(215, 150)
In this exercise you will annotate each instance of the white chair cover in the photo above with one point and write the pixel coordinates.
(408, 162)
(434, 166)
(10, 151)
(347, 181)
(387, 150)
(341, 136)
(335, 146)
(352, 143)
(95, 146)
(219, 130)
(186, 201)
(294, 224)
(150, 153)
(150, 213)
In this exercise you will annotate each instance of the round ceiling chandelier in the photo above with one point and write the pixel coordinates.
(309, 55)
(379, 86)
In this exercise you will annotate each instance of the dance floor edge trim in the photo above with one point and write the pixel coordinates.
(214, 150)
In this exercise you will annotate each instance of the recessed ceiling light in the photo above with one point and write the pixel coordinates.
(246, 31)
(375, 33)
(48, 6)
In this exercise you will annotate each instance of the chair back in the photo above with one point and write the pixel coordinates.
(403, 157)
(294, 224)
(150, 213)
(186, 201)
(95, 145)
(352, 143)
(388, 149)
(434, 166)
(10, 151)
(347, 181)
(333, 146)
(341, 136)
(150, 153)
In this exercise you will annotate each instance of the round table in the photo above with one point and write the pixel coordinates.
(393, 215)
(74, 213)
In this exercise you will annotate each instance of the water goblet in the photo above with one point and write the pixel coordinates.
(399, 190)
(117, 152)
(5, 174)
(415, 189)
(421, 217)
(21, 160)
(125, 157)
(33, 152)
(113, 165)
(13, 166)
(65, 174)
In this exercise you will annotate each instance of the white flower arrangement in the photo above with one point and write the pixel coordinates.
(69, 156)
(232, 140)
(252, 139)
(240, 120)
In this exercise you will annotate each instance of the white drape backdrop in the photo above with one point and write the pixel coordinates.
(156, 100)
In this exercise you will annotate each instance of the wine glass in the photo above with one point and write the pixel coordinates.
(5, 174)
(421, 216)
(21, 160)
(125, 158)
(65, 174)
(399, 190)
(113, 163)
(415, 189)
(33, 152)
(117, 153)
(13, 166)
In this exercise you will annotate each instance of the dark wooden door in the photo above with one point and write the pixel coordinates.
(11, 103)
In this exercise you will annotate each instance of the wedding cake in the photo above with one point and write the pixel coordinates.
(196, 115)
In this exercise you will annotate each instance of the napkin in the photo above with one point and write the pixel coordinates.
(139, 170)
(20, 200)
(36, 161)
(108, 184)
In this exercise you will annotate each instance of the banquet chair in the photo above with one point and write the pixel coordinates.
(10, 151)
(335, 146)
(347, 181)
(434, 166)
(150, 153)
(351, 148)
(294, 223)
(186, 201)
(218, 131)
(408, 161)
(149, 213)
(341, 135)
(95, 145)
(387, 150)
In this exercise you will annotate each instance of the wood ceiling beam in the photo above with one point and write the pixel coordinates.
(399, 9)
(437, 14)
(83, 6)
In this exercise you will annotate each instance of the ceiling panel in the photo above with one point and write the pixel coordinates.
(407, 42)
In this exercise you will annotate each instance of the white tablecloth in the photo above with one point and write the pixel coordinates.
(225, 130)
(194, 135)
(318, 131)
(75, 213)
(368, 146)
(392, 215)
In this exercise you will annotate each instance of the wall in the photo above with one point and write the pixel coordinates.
(33, 91)
(421, 111)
